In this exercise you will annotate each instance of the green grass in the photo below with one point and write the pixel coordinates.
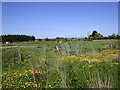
(52, 71)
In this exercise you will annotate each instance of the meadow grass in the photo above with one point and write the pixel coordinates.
(41, 67)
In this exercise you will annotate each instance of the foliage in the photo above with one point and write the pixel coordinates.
(97, 36)
(15, 38)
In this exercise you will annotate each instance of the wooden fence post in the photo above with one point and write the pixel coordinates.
(44, 50)
(19, 54)
(77, 49)
(80, 49)
(67, 48)
(93, 51)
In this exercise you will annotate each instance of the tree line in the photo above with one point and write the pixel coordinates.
(16, 38)
(97, 36)
(94, 36)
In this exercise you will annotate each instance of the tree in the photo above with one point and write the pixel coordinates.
(95, 35)
(15, 38)
(46, 39)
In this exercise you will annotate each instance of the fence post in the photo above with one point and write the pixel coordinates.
(62, 49)
(19, 54)
(67, 48)
(93, 51)
(80, 49)
(77, 49)
(110, 46)
(44, 50)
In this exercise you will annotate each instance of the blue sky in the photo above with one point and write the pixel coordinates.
(60, 19)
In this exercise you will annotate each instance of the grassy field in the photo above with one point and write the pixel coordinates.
(96, 66)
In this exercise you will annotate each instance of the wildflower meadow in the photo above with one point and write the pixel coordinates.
(38, 65)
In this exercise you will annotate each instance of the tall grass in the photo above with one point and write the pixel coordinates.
(40, 67)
